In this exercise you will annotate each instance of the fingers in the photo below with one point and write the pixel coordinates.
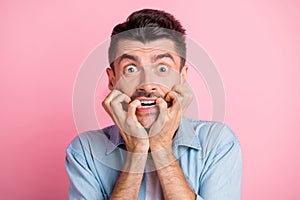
(163, 112)
(112, 96)
(161, 119)
(108, 99)
(117, 100)
(174, 99)
(113, 102)
(184, 95)
(132, 109)
(183, 90)
(162, 105)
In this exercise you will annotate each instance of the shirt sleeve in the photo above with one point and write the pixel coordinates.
(221, 178)
(83, 184)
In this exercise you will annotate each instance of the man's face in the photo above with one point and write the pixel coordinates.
(146, 72)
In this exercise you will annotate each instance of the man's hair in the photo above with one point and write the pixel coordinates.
(148, 25)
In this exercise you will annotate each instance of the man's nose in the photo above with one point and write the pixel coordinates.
(148, 82)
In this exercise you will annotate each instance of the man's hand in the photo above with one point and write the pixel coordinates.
(163, 129)
(133, 133)
(136, 141)
(171, 177)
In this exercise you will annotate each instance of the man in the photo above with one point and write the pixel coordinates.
(152, 152)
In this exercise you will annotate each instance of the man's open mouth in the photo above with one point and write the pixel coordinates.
(147, 103)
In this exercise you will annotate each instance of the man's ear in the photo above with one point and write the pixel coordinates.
(183, 74)
(111, 78)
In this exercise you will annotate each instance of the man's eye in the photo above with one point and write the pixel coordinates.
(162, 68)
(130, 69)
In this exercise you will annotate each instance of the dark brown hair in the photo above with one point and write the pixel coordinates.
(147, 25)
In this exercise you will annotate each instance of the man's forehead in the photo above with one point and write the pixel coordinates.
(157, 46)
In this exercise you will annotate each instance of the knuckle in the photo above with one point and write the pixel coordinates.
(113, 104)
(105, 103)
(164, 104)
(176, 87)
(115, 92)
(130, 106)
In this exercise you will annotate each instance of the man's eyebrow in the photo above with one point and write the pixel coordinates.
(164, 55)
(127, 56)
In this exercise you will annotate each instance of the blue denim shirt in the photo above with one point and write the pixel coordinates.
(208, 153)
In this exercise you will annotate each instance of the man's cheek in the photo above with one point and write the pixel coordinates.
(126, 86)
(169, 81)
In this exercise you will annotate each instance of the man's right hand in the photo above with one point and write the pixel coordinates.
(133, 133)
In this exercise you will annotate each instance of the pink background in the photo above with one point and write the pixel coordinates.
(255, 46)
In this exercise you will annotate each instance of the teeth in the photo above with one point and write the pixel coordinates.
(147, 103)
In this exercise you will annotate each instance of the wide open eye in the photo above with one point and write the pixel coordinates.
(161, 68)
(130, 69)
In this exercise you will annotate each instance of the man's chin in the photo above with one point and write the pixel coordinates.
(147, 120)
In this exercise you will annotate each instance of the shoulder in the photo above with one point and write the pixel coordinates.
(213, 135)
(211, 130)
(90, 140)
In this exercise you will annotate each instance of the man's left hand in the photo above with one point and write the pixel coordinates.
(163, 129)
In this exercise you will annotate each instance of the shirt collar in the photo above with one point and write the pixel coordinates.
(185, 136)
(115, 139)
